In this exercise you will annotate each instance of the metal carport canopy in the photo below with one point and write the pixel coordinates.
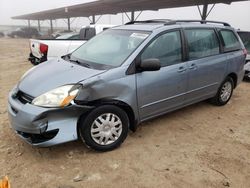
(102, 7)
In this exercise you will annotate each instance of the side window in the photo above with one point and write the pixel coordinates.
(230, 40)
(202, 43)
(87, 33)
(166, 48)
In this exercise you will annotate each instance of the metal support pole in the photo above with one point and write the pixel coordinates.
(68, 24)
(93, 19)
(29, 23)
(138, 16)
(204, 12)
(39, 25)
(122, 18)
(132, 16)
(51, 26)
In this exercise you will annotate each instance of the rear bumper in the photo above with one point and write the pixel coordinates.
(44, 127)
(35, 61)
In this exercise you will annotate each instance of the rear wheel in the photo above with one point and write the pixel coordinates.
(105, 128)
(224, 93)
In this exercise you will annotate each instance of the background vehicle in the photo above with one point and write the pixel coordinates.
(43, 50)
(2, 34)
(25, 32)
(60, 33)
(124, 76)
(245, 37)
(69, 36)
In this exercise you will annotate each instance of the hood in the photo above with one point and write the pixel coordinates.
(52, 74)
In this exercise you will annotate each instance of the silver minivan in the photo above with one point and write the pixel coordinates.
(124, 76)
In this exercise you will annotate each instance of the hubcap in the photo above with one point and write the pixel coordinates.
(226, 91)
(106, 129)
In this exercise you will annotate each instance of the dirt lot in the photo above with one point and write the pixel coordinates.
(199, 146)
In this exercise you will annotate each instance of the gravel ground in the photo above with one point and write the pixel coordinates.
(198, 146)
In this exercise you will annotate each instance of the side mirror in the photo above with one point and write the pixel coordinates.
(150, 65)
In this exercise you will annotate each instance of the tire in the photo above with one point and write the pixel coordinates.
(227, 87)
(104, 128)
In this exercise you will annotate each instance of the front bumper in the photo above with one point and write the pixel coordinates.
(44, 127)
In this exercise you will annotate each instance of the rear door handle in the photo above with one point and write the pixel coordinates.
(181, 69)
(193, 67)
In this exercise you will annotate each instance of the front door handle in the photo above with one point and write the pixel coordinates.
(181, 69)
(193, 67)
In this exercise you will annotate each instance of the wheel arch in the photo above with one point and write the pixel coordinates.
(124, 106)
(234, 77)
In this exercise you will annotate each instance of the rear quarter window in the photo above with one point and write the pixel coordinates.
(230, 40)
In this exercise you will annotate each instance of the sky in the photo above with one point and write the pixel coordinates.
(237, 14)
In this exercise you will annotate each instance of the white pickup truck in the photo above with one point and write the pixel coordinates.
(46, 49)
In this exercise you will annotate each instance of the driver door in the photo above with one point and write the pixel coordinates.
(163, 90)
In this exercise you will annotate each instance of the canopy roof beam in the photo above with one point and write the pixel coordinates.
(104, 7)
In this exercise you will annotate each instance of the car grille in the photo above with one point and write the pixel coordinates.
(23, 97)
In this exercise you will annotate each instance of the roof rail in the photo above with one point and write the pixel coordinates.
(171, 22)
(150, 21)
(199, 21)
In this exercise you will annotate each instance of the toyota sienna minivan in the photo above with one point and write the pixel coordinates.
(123, 77)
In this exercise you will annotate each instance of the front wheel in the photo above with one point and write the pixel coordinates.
(224, 93)
(105, 128)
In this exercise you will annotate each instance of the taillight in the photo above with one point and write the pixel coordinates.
(43, 48)
(245, 52)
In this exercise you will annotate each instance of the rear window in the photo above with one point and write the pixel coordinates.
(69, 36)
(230, 40)
(202, 43)
(245, 37)
(87, 33)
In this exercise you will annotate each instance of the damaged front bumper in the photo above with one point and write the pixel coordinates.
(44, 127)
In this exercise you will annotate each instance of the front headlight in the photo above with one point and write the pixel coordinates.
(59, 97)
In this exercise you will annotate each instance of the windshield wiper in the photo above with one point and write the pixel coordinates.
(80, 63)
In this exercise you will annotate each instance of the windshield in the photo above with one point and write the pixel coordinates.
(245, 37)
(110, 48)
